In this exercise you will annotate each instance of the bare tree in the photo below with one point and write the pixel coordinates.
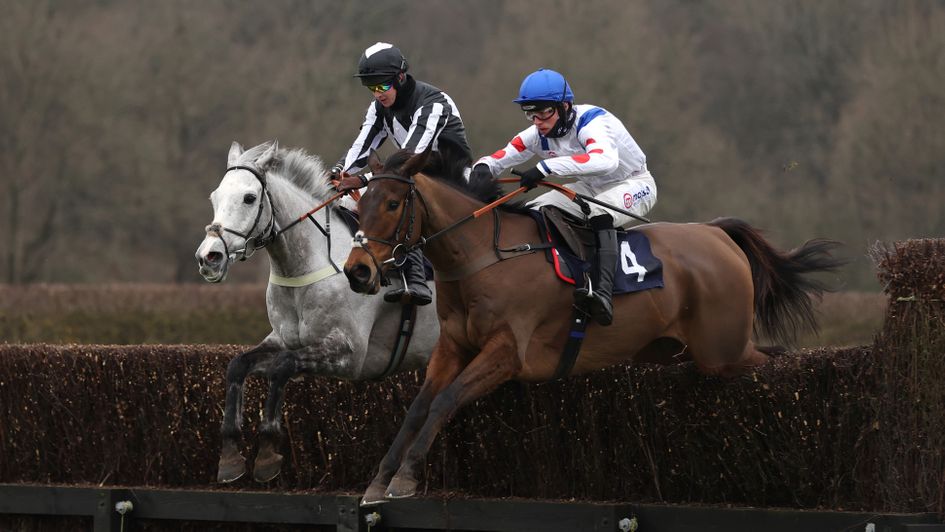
(39, 79)
(889, 165)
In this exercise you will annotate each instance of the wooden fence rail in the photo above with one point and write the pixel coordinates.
(342, 512)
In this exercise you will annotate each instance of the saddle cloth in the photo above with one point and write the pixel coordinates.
(573, 253)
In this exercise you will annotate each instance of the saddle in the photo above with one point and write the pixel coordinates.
(569, 232)
(573, 252)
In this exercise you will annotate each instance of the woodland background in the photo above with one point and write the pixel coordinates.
(806, 118)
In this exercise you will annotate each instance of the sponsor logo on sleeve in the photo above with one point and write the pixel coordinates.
(627, 200)
(630, 199)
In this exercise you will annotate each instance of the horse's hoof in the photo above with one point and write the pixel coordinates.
(267, 466)
(373, 496)
(401, 488)
(231, 468)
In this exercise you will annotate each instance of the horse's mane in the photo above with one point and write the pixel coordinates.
(307, 172)
(452, 173)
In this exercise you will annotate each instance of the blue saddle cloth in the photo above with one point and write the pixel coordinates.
(637, 268)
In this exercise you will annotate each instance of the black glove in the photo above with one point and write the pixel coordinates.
(479, 173)
(531, 177)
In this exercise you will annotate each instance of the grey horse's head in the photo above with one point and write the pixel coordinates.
(241, 213)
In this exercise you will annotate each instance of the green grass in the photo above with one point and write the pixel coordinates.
(133, 314)
(236, 314)
(847, 319)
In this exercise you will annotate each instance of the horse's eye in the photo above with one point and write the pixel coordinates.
(392, 205)
(249, 199)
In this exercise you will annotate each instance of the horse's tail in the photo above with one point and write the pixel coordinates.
(783, 303)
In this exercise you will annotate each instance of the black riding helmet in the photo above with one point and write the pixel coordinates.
(381, 62)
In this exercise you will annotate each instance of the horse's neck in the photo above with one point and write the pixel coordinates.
(463, 245)
(303, 248)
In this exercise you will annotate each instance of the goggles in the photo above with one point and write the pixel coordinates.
(540, 114)
(380, 87)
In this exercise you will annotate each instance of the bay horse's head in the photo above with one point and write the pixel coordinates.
(243, 216)
(391, 211)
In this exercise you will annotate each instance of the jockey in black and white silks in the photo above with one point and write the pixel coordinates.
(417, 116)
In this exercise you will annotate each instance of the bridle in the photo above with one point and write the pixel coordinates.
(251, 243)
(401, 246)
(272, 231)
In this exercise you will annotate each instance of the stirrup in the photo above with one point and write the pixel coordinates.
(598, 310)
(584, 294)
(406, 296)
(397, 295)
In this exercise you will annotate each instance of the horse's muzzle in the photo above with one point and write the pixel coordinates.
(212, 265)
(361, 278)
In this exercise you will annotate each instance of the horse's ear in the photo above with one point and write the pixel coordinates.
(415, 163)
(265, 160)
(374, 162)
(235, 151)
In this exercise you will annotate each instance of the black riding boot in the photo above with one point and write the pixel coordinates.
(416, 291)
(597, 301)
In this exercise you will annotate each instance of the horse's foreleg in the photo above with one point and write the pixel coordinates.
(497, 363)
(268, 461)
(332, 355)
(232, 465)
(446, 362)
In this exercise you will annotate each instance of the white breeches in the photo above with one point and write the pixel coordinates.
(637, 195)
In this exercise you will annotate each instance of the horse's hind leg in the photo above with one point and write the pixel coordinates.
(713, 362)
(268, 461)
(721, 344)
(232, 465)
(446, 362)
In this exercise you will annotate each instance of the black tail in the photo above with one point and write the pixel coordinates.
(783, 303)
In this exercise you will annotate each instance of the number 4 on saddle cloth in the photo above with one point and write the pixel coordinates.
(574, 250)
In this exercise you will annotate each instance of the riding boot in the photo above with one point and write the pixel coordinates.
(416, 290)
(597, 300)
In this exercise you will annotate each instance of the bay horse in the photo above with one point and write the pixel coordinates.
(319, 327)
(509, 319)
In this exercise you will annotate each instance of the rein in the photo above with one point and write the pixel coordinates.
(575, 196)
(404, 247)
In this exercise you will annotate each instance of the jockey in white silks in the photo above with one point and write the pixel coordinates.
(590, 144)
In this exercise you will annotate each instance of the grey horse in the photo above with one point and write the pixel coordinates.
(319, 326)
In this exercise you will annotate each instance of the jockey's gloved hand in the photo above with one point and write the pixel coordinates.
(351, 182)
(479, 173)
(531, 177)
(336, 172)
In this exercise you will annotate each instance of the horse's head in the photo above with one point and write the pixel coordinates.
(391, 220)
(242, 211)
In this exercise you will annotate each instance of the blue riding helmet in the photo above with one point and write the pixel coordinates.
(544, 85)
(546, 88)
